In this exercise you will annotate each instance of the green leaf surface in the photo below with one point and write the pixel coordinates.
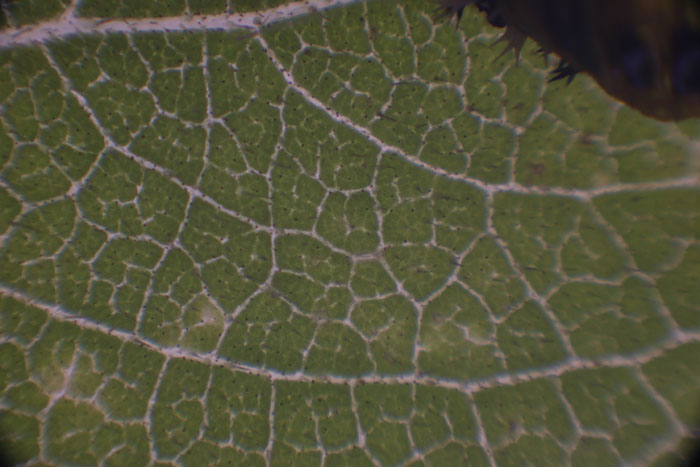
(266, 233)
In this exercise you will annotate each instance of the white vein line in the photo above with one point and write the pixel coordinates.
(671, 341)
(517, 269)
(68, 24)
(146, 164)
(678, 429)
(148, 419)
(191, 190)
(271, 420)
(510, 187)
(481, 433)
(365, 132)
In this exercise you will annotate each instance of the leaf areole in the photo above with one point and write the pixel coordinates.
(645, 53)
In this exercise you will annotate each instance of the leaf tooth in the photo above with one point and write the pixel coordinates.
(563, 70)
(514, 41)
(450, 9)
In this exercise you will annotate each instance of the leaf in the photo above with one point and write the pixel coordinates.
(342, 235)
